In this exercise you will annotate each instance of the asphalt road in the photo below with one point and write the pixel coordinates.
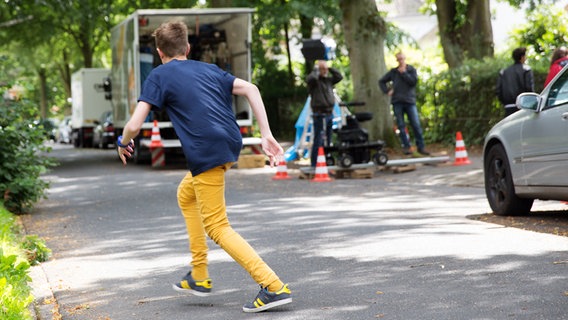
(397, 246)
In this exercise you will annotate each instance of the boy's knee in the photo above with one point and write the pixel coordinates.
(217, 232)
(184, 198)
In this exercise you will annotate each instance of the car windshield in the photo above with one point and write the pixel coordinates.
(558, 93)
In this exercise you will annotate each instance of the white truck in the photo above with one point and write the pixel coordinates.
(220, 36)
(88, 103)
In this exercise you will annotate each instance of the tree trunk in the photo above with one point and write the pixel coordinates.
(471, 39)
(65, 72)
(291, 74)
(478, 30)
(42, 92)
(449, 37)
(87, 52)
(365, 33)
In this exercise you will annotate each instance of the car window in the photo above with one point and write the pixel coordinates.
(558, 93)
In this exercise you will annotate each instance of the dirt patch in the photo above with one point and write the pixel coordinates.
(553, 222)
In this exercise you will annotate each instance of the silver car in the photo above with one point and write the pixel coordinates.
(525, 156)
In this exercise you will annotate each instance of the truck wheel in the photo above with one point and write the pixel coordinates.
(77, 139)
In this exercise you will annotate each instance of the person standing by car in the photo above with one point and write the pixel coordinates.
(400, 84)
(514, 80)
(320, 86)
(558, 61)
(197, 97)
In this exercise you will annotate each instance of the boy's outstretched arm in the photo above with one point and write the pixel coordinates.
(269, 145)
(132, 128)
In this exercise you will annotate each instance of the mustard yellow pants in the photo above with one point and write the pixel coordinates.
(202, 203)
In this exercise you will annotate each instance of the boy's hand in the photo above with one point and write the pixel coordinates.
(125, 151)
(272, 149)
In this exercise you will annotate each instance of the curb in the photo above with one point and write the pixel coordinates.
(44, 306)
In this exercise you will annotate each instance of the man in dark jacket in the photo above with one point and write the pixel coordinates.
(402, 81)
(514, 80)
(320, 86)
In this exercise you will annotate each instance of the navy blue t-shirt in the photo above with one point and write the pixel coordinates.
(197, 97)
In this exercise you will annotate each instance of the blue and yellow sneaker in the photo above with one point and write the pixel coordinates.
(266, 300)
(198, 288)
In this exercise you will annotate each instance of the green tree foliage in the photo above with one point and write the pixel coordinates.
(546, 29)
(56, 38)
(280, 79)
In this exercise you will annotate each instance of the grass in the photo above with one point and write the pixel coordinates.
(17, 253)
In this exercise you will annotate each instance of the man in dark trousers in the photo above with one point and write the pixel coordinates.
(402, 90)
(514, 80)
(320, 86)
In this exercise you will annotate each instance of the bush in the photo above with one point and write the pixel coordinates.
(464, 99)
(35, 249)
(21, 159)
(15, 293)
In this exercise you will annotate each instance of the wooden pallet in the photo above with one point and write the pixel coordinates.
(401, 169)
(355, 174)
(306, 175)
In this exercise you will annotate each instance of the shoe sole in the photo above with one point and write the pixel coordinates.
(268, 306)
(190, 291)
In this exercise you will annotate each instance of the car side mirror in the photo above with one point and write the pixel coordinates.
(529, 101)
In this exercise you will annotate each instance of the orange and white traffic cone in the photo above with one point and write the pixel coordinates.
(461, 153)
(321, 174)
(157, 147)
(281, 171)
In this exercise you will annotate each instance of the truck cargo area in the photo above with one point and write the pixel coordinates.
(218, 36)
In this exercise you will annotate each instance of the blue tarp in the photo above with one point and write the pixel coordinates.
(292, 152)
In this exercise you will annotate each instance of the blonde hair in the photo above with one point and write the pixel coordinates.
(171, 38)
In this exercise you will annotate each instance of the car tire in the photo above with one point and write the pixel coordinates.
(499, 187)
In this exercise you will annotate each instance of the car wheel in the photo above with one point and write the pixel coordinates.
(499, 186)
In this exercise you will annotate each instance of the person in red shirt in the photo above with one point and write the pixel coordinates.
(557, 62)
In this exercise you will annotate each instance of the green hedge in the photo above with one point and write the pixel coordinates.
(22, 158)
(464, 99)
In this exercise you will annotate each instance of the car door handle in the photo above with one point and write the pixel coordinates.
(565, 116)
